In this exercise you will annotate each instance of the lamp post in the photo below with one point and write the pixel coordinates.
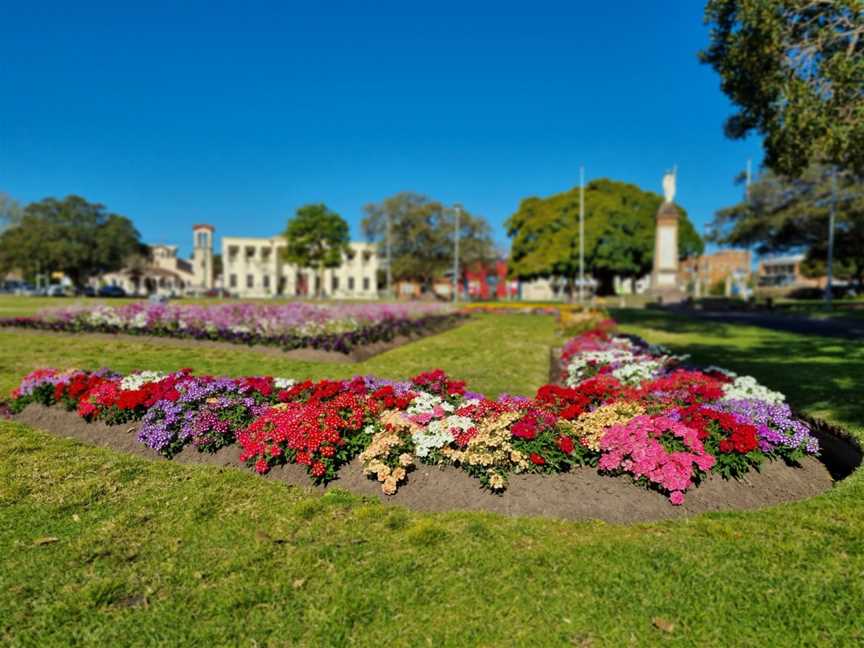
(457, 208)
(831, 214)
(581, 232)
(389, 258)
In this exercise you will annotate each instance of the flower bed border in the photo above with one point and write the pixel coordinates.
(355, 346)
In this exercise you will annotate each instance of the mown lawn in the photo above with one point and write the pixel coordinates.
(104, 549)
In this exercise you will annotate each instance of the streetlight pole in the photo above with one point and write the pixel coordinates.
(581, 231)
(457, 208)
(389, 257)
(831, 214)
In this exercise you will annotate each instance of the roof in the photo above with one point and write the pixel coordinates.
(203, 226)
(783, 260)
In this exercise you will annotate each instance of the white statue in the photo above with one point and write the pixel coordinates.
(669, 185)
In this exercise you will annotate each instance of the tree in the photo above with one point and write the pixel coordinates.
(620, 223)
(421, 232)
(71, 236)
(10, 211)
(786, 214)
(317, 237)
(795, 71)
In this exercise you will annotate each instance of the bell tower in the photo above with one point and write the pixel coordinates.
(202, 255)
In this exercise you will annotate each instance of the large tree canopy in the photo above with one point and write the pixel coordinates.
(72, 236)
(620, 223)
(422, 231)
(317, 237)
(795, 71)
(791, 214)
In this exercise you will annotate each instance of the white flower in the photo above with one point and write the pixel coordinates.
(138, 380)
(284, 383)
(638, 371)
(746, 387)
(438, 433)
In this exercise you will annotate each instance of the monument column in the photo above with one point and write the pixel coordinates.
(664, 278)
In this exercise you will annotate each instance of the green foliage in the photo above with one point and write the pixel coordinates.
(620, 222)
(422, 232)
(317, 237)
(10, 211)
(72, 236)
(794, 69)
(785, 215)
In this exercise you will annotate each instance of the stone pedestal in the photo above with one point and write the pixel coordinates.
(664, 278)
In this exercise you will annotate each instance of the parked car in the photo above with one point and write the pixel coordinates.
(55, 291)
(26, 290)
(111, 291)
(86, 291)
(217, 292)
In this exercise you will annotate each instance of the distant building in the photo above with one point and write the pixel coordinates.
(164, 273)
(254, 267)
(730, 269)
(784, 272)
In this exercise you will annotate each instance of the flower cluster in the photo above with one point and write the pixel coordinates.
(626, 408)
(290, 326)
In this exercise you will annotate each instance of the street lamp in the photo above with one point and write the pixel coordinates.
(457, 209)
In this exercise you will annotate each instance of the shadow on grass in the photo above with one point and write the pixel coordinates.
(820, 375)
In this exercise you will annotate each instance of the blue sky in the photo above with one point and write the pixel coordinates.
(236, 114)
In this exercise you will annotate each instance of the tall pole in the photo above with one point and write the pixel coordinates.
(831, 214)
(749, 178)
(581, 231)
(457, 208)
(389, 257)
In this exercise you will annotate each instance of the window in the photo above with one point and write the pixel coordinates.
(365, 283)
(351, 284)
(232, 281)
(250, 252)
(232, 253)
(334, 284)
(317, 283)
(265, 253)
(250, 281)
(266, 281)
(202, 239)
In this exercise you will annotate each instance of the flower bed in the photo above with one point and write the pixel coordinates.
(296, 325)
(627, 408)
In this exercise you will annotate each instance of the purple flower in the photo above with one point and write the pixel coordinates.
(778, 429)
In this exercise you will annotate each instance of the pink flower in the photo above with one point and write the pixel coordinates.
(676, 498)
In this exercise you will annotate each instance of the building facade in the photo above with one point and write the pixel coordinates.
(255, 267)
(163, 273)
(730, 269)
(784, 273)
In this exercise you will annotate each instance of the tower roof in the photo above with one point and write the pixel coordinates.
(203, 226)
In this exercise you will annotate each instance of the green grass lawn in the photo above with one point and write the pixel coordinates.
(104, 549)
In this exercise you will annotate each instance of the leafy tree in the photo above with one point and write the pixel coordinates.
(791, 214)
(422, 231)
(10, 211)
(72, 236)
(620, 223)
(317, 238)
(795, 71)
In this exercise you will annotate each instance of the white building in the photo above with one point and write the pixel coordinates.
(254, 267)
(164, 273)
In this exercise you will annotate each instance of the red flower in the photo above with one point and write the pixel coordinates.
(537, 460)
(318, 469)
(261, 466)
(525, 428)
(565, 444)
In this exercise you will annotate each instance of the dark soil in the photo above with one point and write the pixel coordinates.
(357, 354)
(582, 494)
